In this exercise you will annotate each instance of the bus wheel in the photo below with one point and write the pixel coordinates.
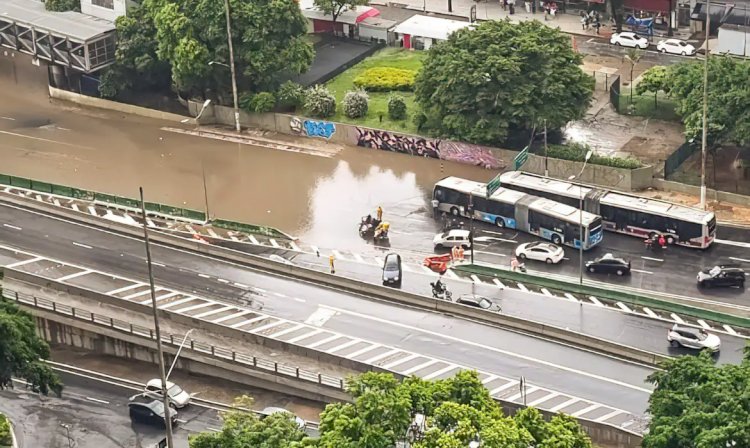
(500, 222)
(670, 240)
(556, 239)
(454, 211)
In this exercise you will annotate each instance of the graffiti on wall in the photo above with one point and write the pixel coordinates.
(312, 128)
(437, 149)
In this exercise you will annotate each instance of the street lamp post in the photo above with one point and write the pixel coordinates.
(580, 218)
(231, 68)
(471, 225)
(154, 309)
(704, 142)
(174, 362)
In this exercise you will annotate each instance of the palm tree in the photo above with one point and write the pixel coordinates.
(633, 56)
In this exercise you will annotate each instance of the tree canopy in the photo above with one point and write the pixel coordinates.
(243, 429)
(728, 97)
(697, 404)
(21, 351)
(499, 79)
(188, 35)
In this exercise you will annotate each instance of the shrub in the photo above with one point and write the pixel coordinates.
(396, 107)
(291, 94)
(319, 102)
(386, 79)
(356, 103)
(62, 5)
(5, 439)
(262, 102)
(577, 152)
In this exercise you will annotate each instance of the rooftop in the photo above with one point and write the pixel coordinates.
(431, 27)
(71, 24)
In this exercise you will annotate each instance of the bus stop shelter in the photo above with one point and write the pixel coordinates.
(71, 39)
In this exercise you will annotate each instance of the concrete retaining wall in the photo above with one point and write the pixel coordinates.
(90, 101)
(722, 196)
(616, 178)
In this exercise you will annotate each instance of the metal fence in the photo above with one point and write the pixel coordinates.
(651, 105)
(225, 354)
(678, 157)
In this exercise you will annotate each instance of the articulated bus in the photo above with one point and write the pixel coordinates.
(550, 220)
(622, 212)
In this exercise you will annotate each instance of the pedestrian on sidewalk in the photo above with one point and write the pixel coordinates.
(553, 9)
(505, 5)
(527, 4)
(512, 6)
(380, 213)
(330, 261)
(597, 24)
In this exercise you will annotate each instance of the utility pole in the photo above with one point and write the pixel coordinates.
(704, 142)
(205, 192)
(160, 352)
(231, 68)
(471, 225)
(546, 171)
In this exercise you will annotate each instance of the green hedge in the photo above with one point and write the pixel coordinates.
(386, 79)
(5, 439)
(577, 152)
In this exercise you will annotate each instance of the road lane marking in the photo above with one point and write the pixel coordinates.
(10, 226)
(85, 246)
(96, 400)
(739, 259)
(652, 259)
(362, 351)
(252, 239)
(221, 280)
(489, 348)
(344, 345)
(677, 318)
(489, 379)
(8, 118)
(498, 283)
(570, 297)
(642, 272)
(338, 255)
(522, 287)
(74, 275)
(442, 371)
(604, 418)
(300, 300)
(240, 285)
(489, 253)
(595, 301)
(585, 410)
(730, 330)
(475, 279)
(703, 324)
(204, 276)
(543, 399)
(274, 243)
(304, 336)
(507, 385)
(294, 246)
(624, 307)
(565, 404)
(383, 356)
(320, 316)
(401, 360)
(649, 312)
(57, 142)
(546, 292)
(733, 243)
(420, 367)
(528, 390)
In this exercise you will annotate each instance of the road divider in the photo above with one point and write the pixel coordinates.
(720, 312)
(367, 290)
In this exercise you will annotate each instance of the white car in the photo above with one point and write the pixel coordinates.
(177, 395)
(629, 39)
(689, 337)
(452, 238)
(274, 410)
(540, 251)
(676, 46)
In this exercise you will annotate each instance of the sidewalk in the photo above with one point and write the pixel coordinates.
(492, 10)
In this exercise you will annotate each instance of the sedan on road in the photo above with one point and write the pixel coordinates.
(689, 337)
(478, 302)
(722, 275)
(178, 398)
(392, 272)
(150, 412)
(540, 251)
(629, 39)
(608, 264)
(676, 46)
(452, 238)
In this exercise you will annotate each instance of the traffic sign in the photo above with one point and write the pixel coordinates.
(521, 158)
(493, 185)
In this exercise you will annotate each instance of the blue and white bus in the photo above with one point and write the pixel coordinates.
(550, 220)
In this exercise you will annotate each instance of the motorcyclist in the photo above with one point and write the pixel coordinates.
(368, 220)
(662, 241)
(382, 230)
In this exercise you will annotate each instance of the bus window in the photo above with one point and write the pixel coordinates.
(689, 230)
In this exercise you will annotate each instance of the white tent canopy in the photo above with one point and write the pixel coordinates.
(430, 27)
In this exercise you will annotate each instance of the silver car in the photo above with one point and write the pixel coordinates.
(696, 338)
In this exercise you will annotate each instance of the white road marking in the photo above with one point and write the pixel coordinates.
(161, 265)
(585, 410)
(212, 233)
(359, 258)
(267, 326)
(273, 242)
(507, 385)
(475, 278)
(489, 379)
(703, 324)
(565, 404)
(420, 367)
(252, 239)
(498, 283)
(278, 294)
(570, 297)
(291, 329)
(8, 118)
(489, 253)
(382, 356)
(315, 250)
(380, 262)
(160, 298)
(96, 400)
(677, 318)
(642, 272)
(730, 330)
(344, 345)
(231, 316)
(300, 300)
(733, 243)
(304, 336)
(338, 255)
(324, 341)
(362, 351)
(522, 287)
(604, 418)
(649, 312)
(216, 311)
(294, 246)
(652, 259)
(546, 292)
(437, 373)
(10, 226)
(85, 246)
(489, 348)
(221, 280)
(529, 390)
(401, 360)
(240, 285)
(624, 307)
(450, 274)
(320, 316)
(543, 399)
(248, 321)
(204, 276)
(74, 275)
(92, 210)
(595, 301)
(739, 259)
(124, 288)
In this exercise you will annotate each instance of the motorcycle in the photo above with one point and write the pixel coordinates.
(367, 228)
(653, 243)
(521, 268)
(440, 291)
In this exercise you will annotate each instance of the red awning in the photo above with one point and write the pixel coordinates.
(372, 12)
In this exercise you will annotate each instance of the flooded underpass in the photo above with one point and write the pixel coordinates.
(319, 199)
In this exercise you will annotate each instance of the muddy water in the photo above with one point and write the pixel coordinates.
(310, 196)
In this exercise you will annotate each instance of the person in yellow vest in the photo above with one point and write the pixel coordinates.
(382, 228)
(380, 213)
(330, 261)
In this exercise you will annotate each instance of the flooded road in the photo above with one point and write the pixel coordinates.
(319, 199)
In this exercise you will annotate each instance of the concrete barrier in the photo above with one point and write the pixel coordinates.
(717, 195)
(373, 291)
(100, 103)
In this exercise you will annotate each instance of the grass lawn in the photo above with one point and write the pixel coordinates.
(387, 57)
(662, 107)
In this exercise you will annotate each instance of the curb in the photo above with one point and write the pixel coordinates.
(13, 440)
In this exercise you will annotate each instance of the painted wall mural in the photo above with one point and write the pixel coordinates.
(437, 149)
(312, 128)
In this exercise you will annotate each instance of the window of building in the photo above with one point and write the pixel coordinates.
(109, 4)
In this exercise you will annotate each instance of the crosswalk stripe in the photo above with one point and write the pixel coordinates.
(649, 312)
(624, 307)
(498, 283)
(522, 287)
(677, 318)
(565, 404)
(703, 324)
(595, 301)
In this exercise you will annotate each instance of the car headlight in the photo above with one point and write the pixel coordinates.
(395, 278)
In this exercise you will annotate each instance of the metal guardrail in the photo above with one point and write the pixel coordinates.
(219, 352)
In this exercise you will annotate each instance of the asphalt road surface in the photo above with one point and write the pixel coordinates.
(606, 380)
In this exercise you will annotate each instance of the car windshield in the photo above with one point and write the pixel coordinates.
(391, 264)
(174, 391)
(714, 271)
(484, 304)
(682, 44)
(157, 407)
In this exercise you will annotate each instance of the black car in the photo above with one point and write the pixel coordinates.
(608, 264)
(151, 412)
(722, 275)
(392, 273)
(478, 302)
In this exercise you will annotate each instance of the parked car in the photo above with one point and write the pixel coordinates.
(629, 39)
(689, 337)
(178, 398)
(540, 251)
(608, 264)
(452, 238)
(149, 411)
(274, 410)
(478, 302)
(676, 46)
(392, 272)
(722, 275)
